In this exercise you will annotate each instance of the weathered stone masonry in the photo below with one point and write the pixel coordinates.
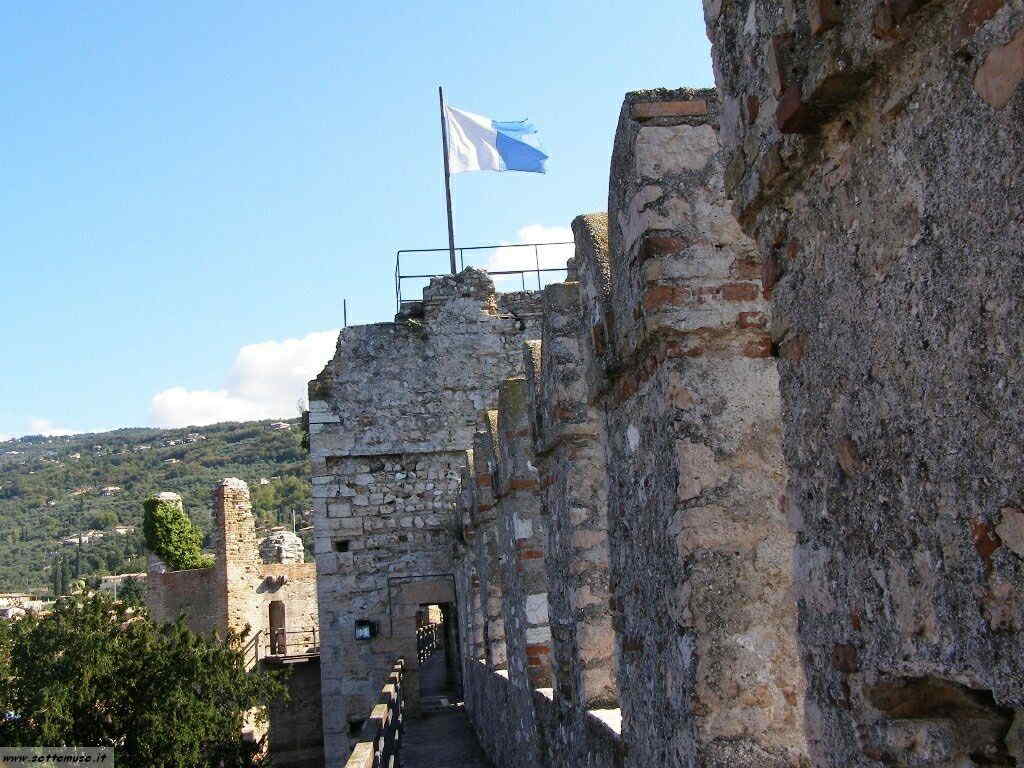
(875, 154)
(701, 555)
(656, 434)
(263, 587)
(766, 436)
(391, 418)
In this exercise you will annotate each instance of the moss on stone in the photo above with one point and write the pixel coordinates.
(170, 535)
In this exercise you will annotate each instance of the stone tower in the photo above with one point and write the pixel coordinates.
(237, 570)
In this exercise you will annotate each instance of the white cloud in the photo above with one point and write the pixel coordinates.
(47, 428)
(265, 382)
(552, 256)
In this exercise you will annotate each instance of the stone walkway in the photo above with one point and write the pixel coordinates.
(441, 737)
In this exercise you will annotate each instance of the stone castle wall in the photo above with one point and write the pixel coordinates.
(653, 436)
(391, 417)
(238, 590)
(170, 594)
(753, 482)
(874, 154)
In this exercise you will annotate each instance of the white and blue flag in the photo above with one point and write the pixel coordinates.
(477, 143)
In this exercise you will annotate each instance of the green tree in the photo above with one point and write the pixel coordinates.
(65, 575)
(265, 503)
(56, 574)
(96, 672)
(273, 503)
(102, 519)
(171, 536)
(132, 592)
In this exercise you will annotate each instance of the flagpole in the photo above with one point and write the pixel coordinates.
(447, 180)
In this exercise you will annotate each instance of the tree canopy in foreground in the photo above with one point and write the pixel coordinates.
(99, 673)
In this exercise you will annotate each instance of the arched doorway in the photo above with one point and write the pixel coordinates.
(278, 629)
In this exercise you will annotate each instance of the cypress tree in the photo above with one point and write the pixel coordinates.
(65, 575)
(55, 576)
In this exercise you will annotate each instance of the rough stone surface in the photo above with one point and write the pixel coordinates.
(596, 745)
(239, 593)
(570, 439)
(391, 419)
(655, 416)
(281, 547)
(772, 422)
(701, 557)
(883, 184)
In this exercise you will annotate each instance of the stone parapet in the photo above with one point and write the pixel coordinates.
(695, 469)
(569, 444)
(595, 284)
(874, 155)
(598, 744)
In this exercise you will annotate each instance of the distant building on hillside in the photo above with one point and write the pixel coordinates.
(113, 584)
(85, 537)
(110, 490)
(279, 426)
(14, 604)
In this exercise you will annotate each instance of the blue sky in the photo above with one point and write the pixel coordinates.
(191, 189)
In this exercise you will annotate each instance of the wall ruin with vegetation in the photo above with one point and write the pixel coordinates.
(240, 593)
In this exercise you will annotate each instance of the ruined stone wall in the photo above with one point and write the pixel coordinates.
(236, 595)
(294, 585)
(391, 418)
(875, 156)
(237, 564)
(170, 594)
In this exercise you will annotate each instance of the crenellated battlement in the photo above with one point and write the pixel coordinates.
(742, 490)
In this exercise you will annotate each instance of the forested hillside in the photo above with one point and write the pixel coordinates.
(70, 488)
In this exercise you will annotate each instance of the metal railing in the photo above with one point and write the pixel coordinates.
(428, 640)
(474, 252)
(280, 644)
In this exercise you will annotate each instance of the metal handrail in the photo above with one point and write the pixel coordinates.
(281, 639)
(537, 269)
(428, 640)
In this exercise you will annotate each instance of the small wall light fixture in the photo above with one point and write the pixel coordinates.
(365, 629)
